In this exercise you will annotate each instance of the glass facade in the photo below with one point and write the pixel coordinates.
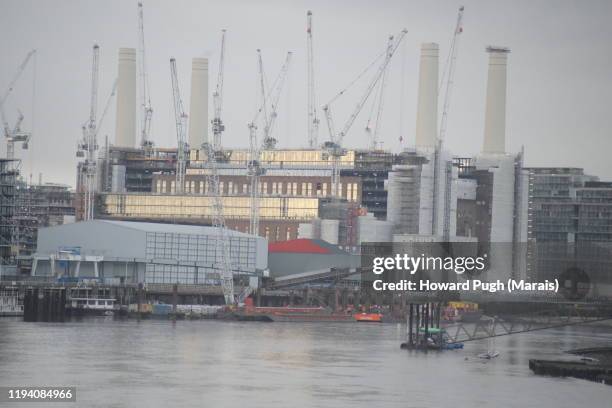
(201, 250)
(187, 206)
(280, 158)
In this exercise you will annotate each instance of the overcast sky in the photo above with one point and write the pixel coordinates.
(559, 71)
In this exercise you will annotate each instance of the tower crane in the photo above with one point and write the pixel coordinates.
(181, 125)
(145, 97)
(334, 145)
(213, 151)
(15, 135)
(217, 124)
(313, 120)
(254, 168)
(450, 73)
(89, 144)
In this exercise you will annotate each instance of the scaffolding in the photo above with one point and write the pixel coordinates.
(9, 171)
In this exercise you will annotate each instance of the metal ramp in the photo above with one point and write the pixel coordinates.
(560, 316)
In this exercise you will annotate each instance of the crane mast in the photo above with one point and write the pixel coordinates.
(90, 145)
(217, 124)
(181, 125)
(254, 168)
(15, 134)
(212, 151)
(313, 120)
(145, 98)
(334, 145)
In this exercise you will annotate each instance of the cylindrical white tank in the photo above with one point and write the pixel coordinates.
(329, 231)
(125, 133)
(198, 107)
(427, 104)
(495, 110)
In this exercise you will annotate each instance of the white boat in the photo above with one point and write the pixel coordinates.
(489, 355)
(92, 306)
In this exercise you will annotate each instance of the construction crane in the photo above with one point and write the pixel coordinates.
(378, 104)
(15, 134)
(89, 144)
(217, 123)
(181, 125)
(334, 145)
(254, 168)
(213, 151)
(269, 142)
(313, 120)
(145, 97)
(449, 73)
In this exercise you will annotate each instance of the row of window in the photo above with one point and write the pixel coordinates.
(265, 188)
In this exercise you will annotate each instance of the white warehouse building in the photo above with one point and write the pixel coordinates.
(142, 252)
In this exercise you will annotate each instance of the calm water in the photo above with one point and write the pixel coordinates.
(222, 364)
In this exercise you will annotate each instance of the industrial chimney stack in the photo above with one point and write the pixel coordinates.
(125, 134)
(495, 110)
(198, 108)
(427, 108)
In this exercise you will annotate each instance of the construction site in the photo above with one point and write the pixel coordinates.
(326, 192)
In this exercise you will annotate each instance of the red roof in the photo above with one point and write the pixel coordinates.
(300, 246)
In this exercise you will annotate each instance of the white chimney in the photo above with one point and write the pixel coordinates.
(198, 107)
(495, 110)
(427, 107)
(125, 134)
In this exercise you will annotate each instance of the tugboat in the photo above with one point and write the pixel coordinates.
(368, 317)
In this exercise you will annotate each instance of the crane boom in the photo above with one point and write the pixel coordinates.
(391, 48)
(334, 145)
(181, 124)
(145, 97)
(313, 120)
(451, 73)
(254, 168)
(217, 124)
(15, 134)
(269, 142)
(380, 102)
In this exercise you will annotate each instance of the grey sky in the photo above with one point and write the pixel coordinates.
(559, 76)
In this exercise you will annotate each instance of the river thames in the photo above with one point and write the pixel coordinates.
(125, 363)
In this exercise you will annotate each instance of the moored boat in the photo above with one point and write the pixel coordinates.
(368, 317)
